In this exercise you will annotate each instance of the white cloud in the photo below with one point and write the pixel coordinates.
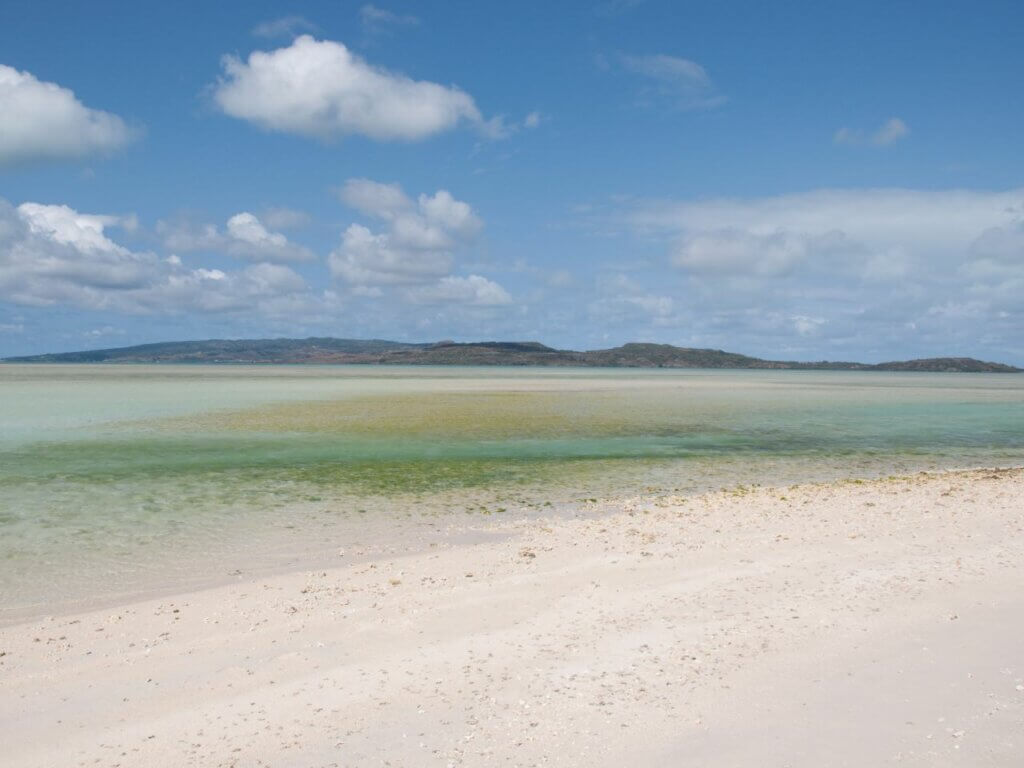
(892, 130)
(730, 250)
(861, 269)
(533, 120)
(807, 326)
(366, 259)
(186, 236)
(267, 289)
(678, 82)
(244, 237)
(417, 249)
(622, 301)
(287, 26)
(55, 243)
(320, 89)
(285, 218)
(374, 17)
(373, 198)
(867, 221)
(43, 121)
(251, 240)
(450, 214)
(106, 330)
(54, 255)
(432, 221)
(474, 291)
(417, 246)
(672, 68)
(69, 227)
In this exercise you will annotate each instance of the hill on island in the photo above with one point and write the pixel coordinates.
(521, 353)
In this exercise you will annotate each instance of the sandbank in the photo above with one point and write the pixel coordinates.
(850, 623)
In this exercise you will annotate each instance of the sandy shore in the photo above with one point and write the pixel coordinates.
(845, 624)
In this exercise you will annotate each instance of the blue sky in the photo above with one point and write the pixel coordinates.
(790, 180)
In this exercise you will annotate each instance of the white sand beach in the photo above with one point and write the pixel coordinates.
(843, 624)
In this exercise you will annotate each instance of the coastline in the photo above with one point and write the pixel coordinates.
(821, 624)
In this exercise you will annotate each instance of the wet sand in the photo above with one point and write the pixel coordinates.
(838, 624)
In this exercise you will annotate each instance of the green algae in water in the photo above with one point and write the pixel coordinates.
(420, 436)
(100, 465)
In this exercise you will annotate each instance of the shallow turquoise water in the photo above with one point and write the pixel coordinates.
(123, 470)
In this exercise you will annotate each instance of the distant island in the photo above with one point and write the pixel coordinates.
(520, 353)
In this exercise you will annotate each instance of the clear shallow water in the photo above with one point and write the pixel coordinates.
(127, 476)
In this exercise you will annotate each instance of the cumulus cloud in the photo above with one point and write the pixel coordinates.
(244, 237)
(248, 238)
(43, 121)
(54, 255)
(418, 244)
(212, 290)
(892, 130)
(320, 89)
(675, 81)
(416, 250)
(67, 226)
(366, 259)
(453, 216)
(57, 244)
